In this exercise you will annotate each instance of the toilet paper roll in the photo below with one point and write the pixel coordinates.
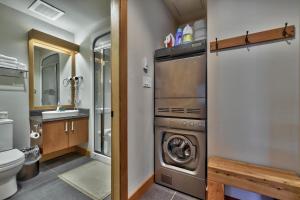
(34, 135)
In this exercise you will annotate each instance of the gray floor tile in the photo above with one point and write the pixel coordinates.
(47, 185)
(53, 191)
(43, 178)
(157, 192)
(180, 196)
(62, 191)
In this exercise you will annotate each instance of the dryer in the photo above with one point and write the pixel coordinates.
(180, 154)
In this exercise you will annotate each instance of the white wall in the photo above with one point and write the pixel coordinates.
(253, 96)
(13, 42)
(148, 23)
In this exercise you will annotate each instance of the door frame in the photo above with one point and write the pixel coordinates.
(119, 100)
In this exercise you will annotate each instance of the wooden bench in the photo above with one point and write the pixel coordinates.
(275, 183)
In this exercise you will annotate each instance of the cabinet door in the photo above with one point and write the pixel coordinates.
(79, 131)
(55, 136)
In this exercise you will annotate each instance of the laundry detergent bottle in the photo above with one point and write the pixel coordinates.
(178, 39)
(187, 34)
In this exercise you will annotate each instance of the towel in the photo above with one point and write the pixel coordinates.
(7, 65)
(8, 61)
(7, 58)
(20, 66)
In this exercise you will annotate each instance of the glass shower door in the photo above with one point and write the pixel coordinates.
(102, 91)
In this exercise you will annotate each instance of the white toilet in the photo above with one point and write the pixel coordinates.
(11, 160)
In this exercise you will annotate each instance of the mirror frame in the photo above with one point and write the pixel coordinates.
(46, 41)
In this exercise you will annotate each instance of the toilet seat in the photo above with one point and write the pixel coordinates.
(11, 158)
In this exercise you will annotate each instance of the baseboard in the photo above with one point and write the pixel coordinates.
(83, 151)
(142, 189)
(56, 154)
(80, 150)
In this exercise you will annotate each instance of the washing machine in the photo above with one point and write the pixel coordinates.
(180, 155)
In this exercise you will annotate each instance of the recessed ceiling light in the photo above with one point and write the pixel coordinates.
(46, 10)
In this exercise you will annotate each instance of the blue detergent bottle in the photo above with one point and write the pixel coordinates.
(178, 39)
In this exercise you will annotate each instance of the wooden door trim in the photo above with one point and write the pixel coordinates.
(123, 101)
(119, 100)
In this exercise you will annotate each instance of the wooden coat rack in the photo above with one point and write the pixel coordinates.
(286, 32)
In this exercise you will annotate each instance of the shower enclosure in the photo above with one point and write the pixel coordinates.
(102, 92)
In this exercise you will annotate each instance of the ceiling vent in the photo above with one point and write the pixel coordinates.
(46, 10)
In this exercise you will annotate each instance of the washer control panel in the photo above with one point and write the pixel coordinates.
(186, 124)
(193, 123)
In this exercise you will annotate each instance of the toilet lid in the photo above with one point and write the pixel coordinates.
(11, 157)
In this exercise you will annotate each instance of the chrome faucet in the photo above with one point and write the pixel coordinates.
(58, 108)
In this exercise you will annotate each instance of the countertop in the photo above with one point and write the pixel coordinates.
(37, 116)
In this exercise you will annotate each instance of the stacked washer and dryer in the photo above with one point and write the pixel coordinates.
(180, 118)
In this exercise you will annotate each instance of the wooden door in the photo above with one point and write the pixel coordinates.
(55, 136)
(79, 131)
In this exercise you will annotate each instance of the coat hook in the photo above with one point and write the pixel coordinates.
(217, 45)
(284, 33)
(247, 38)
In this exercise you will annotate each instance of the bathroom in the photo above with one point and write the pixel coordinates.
(65, 60)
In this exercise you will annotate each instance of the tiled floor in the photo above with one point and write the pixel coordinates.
(157, 192)
(47, 185)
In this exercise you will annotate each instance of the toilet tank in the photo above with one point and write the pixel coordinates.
(6, 134)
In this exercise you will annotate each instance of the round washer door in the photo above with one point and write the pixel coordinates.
(180, 149)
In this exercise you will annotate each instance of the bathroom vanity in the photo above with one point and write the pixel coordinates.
(59, 126)
(60, 133)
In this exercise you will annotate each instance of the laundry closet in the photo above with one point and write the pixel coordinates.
(174, 88)
(180, 111)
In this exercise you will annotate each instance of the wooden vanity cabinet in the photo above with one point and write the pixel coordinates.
(63, 134)
(55, 136)
(78, 132)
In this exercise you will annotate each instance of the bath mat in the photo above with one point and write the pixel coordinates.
(93, 179)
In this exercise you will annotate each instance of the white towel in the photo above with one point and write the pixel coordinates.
(7, 58)
(8, 61)
(7, 65)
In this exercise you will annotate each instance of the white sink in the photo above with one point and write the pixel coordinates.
(59, 114)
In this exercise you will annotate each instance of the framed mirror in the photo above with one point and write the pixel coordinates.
(51, 64)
